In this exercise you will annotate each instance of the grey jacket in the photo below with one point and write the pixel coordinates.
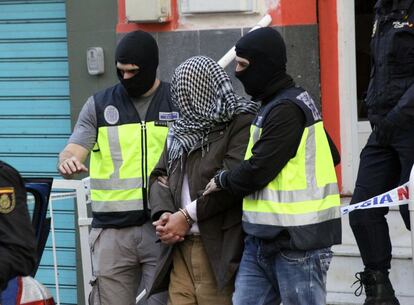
(219, 214)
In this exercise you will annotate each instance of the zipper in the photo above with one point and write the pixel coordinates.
(144, 162)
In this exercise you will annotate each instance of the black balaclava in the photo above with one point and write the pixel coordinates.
(266, 52)
(138, 48)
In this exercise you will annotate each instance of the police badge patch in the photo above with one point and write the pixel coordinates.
(7, 200)
(111, 115)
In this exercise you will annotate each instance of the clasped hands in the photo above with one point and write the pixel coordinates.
(171, 227)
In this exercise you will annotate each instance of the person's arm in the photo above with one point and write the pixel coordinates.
(174, 226)
(336, 157)
(402, 115)
(206, 206)
(168, 225)
(160, 197)
(277, 144)
(71, 160)
(80, 143)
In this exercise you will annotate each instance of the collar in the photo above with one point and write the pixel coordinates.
(214, 134)
(275, 87)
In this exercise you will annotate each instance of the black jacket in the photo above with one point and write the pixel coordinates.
(277, 145)
(282, 130)
(17, 238)
(391, 89)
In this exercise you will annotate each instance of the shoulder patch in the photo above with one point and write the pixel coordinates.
(111, 115)
(7, 200)
(309, 102)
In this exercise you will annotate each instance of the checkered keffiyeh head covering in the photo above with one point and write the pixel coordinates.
(203, 92)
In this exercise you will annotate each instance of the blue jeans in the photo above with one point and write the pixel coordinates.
(289, 276)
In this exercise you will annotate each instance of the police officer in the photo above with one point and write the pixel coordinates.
(17, 238)
(291, 200)
(124, 127)
(388, 156)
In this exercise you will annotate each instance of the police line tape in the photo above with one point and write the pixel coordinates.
(394, 197)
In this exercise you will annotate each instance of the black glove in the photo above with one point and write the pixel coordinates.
(217, 178)
(384, 131)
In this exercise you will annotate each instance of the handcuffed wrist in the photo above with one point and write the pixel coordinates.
(188, 219)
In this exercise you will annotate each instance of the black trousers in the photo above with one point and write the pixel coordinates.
(381, 169)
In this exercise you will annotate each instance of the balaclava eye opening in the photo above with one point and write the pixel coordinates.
(266, 52)
(138, 48)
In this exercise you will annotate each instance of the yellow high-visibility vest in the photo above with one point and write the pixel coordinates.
(305, 192)
(117, 165)
(126, 151)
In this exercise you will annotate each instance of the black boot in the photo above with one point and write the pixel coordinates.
(378, 288)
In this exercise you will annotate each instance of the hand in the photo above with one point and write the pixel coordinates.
(211, 187)
(162, 221)
(174, 230)
(384, 131)
(163, 181)
(71, 166)
(159, 229)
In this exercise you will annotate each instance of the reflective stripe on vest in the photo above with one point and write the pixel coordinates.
(116, 165)
(156, 136)
(304, 192)
(116, 182)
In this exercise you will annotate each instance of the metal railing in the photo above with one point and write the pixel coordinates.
(78, 189)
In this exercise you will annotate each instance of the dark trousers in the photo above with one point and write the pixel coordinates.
(380, 169)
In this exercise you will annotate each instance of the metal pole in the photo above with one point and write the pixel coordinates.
(83, 223)
(55, 263)
(231, 54)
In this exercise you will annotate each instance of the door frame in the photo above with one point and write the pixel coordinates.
(353, 133)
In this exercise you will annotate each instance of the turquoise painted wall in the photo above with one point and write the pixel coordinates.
(35, 114)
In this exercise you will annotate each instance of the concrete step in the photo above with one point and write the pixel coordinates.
(347, 262)
(353, 251)
(351, 299)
